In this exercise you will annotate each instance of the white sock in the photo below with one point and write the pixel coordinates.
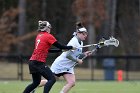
(61, 92)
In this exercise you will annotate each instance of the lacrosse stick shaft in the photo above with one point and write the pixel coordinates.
(95, 49)
(87, 45)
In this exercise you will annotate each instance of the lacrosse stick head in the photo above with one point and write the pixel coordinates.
(111, 41)
(101, 43)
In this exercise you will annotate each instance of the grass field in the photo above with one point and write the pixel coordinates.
(81, 87)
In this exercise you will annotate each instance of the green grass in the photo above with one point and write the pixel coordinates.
(81, 87)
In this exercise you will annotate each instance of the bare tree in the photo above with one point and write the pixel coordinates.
(8, 31)
(22, 20)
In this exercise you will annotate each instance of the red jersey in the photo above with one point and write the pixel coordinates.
(43, 43)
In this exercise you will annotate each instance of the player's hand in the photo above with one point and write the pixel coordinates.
(79, 61)
(64, 50)
(74, 48)
(88, 53)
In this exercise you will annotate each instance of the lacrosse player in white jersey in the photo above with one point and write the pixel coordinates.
(65, 63)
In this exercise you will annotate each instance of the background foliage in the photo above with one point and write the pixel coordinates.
(102, 18)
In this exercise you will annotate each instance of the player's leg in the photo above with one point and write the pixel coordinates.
(70, 82)
(43, 82)
(36, 80)
(47, 74)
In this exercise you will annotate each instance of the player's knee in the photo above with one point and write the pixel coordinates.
(71, 83)
(42, 83)
(53, 80)
(36, 83)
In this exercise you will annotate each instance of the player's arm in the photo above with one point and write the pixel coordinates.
(87, 53)
(60, 46)
(70, 56)
(81, 55)
(55, 50)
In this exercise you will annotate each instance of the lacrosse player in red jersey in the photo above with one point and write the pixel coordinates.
(37, 63)
(65, 63)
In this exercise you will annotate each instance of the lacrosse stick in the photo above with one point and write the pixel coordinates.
(103, 42)
(111, 41)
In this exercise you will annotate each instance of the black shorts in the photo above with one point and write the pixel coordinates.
(61, 74)
(36, 67)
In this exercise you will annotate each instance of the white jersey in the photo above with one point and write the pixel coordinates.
(63, 64)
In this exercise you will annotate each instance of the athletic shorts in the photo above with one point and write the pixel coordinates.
(61, 74)
(36, 67)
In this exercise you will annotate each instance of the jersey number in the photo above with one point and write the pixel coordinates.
(38, 41)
